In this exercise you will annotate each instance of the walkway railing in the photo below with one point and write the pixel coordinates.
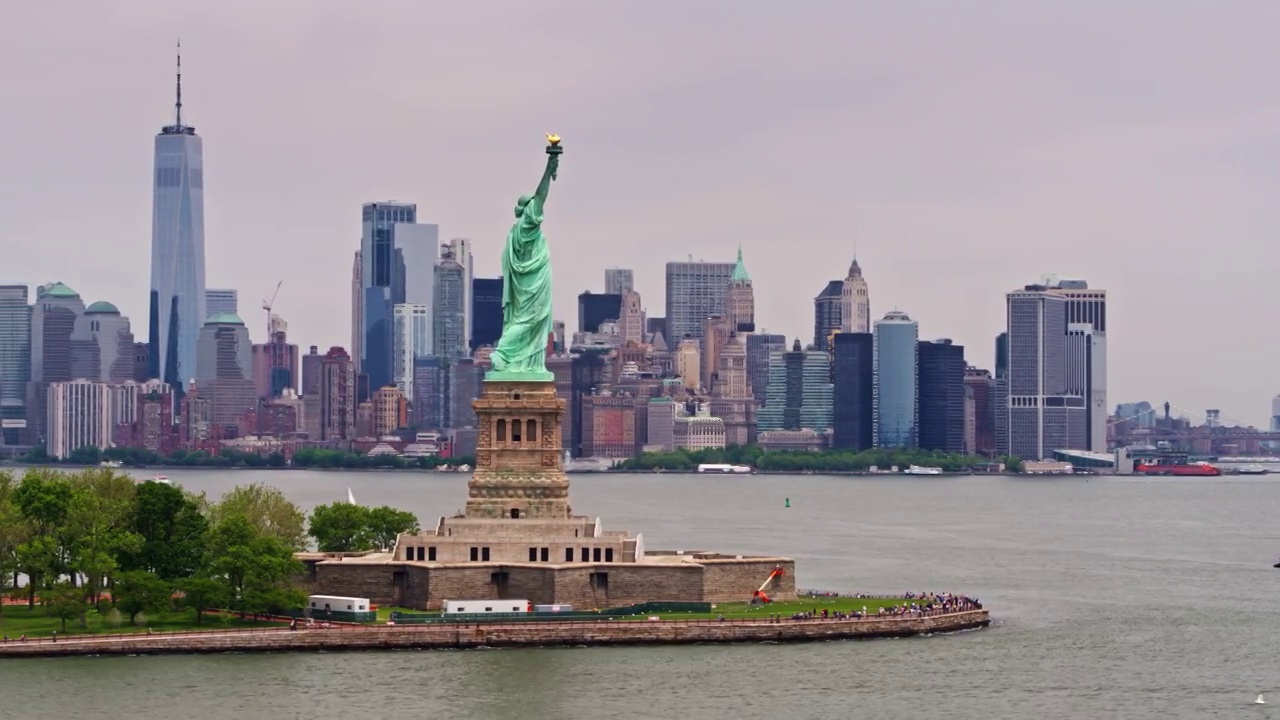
(472, 624)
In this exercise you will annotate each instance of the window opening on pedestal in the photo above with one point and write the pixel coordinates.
(501, 431)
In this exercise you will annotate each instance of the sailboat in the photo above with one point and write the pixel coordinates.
(351, 498)
(1259, 701)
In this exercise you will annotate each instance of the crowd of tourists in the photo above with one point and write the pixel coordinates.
(914, 605)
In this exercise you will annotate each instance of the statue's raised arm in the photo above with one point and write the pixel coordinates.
(553, 164)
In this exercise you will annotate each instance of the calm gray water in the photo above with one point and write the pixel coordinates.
(1124, 598)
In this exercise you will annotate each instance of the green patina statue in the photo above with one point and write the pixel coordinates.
(526, 287)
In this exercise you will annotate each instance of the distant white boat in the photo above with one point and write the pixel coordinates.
(723, 468)
(1253, 469)
(351, 498)
(920, 470)
(1259, 701)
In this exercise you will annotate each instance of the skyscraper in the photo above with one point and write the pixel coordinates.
(337, 391)
(357, 308)
(113, 337)
(759, 347)
(740, 302)
(1087, 355)
(311, 363)
(597, 308)
(79, 415)
(941, 389)
(983, 386)
(1043, 414)
(461, 248)
(896, 396)
(413, 333)
(449, 316)
(221, 301)
(15, 362)
(61, 350)
(853, 380)
(382, 274)
(618, 280)
(417, 247)
(631, 318)
(799, 395)
(177, 250)
(695, 291)
(275, 362)
(731, 398)
(486, 312)
(224, 369)
(828, 314)
(855, 302)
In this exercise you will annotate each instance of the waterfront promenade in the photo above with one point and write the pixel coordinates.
(500, 634)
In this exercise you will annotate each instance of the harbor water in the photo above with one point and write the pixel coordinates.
(1111, 597)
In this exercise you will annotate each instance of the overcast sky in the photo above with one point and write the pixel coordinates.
(964, 148)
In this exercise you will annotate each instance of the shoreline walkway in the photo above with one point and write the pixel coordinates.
(498, 634)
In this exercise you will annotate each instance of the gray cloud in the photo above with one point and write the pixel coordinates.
(964, 148)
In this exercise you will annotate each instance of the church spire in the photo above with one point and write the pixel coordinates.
(740, 268)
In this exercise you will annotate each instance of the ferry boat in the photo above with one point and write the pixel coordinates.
(723, 468)
(1168, 466)
(1253, 469)
(920, 470)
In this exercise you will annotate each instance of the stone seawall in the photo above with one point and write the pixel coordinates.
(524, 634)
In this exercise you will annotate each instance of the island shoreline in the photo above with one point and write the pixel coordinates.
(450, 636)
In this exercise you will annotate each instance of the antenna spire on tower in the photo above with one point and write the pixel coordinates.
(178, 105)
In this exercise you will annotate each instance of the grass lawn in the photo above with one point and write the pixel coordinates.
(787, 608)
(737, 611)
(18, 621)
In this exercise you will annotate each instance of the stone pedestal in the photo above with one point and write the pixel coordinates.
(519, 462)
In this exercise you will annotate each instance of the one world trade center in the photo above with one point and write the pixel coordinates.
(177, 251)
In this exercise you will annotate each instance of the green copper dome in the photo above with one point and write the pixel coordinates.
(740, 269)
(224, 319)
(58, 290)
(102, 308)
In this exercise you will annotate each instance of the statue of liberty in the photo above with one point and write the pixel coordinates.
(526, 287)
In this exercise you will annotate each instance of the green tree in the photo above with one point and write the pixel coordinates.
(171, 532)
(66, 602)
(386, 524)
(257, 569)
(203, 593)
(97, 525)
(13, 533)
(267, 510)
(141, 591)
(341, 527)
(87, 455)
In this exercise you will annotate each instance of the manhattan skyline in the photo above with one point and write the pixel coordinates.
(965, 154)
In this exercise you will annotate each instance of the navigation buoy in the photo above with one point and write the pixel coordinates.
(1259, 701)
(788, 503)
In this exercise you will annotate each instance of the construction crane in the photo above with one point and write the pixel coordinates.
(267, 305)
(759, 597)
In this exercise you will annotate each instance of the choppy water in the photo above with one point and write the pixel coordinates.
(1123, 598)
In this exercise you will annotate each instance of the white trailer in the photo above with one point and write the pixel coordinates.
(485, 607)
(337, 603)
